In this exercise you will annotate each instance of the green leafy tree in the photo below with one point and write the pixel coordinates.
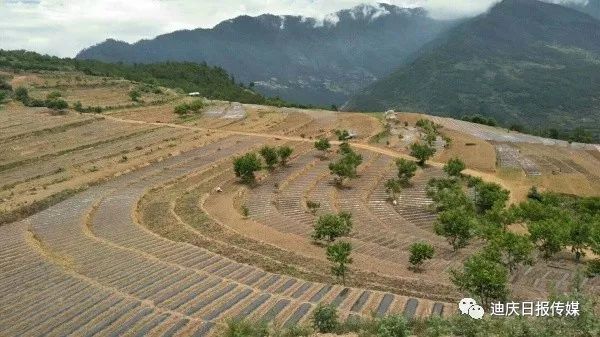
(339, 254)
(454, 167)
(322, 145)
(488, 195)
(246, 165)
(448, 194)
(2, 96)
(419, 253)
(345, 167)
(422, 152)
(393, 187)
(270, 156)
(284, 153)
(406, 170)
(579, 237)
(548, 235)
(331, 226)
(325, 318)
(457, 226)
(511, 249)
(483, 278)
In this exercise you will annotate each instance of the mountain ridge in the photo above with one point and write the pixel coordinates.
(523, 62)
(297, 58)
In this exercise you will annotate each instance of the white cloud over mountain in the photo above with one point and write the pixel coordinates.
(63, 27)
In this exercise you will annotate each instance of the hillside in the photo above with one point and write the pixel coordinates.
(591, 7)
(210, 82)
(297, 58)
(524, 62)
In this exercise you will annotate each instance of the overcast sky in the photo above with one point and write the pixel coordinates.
(64, 27)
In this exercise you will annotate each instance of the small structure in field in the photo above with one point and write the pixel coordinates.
(194, 94)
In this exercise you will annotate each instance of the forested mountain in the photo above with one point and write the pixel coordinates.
(300, 59)
(211, 82)
(523, 62)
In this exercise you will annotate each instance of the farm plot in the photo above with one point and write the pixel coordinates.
(510, 157)
(151, 284)
(17, 121)
(385, 238)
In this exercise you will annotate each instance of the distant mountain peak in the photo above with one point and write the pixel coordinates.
(313, 60)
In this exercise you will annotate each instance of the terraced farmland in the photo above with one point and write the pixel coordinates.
(155, 242)
(95, 255)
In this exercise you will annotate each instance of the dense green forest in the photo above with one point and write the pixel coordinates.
(210, 82)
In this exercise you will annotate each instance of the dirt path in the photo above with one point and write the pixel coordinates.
(518, 189)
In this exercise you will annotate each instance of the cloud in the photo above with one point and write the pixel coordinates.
(63, 27)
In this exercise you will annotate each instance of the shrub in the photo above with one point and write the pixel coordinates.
(5, 86)
(181, 109)
(245, 211)
(593, 268)
(393, 326)
(22, 95)
(135, 95)
(77, 106)
(53, 95)
(241, 328)
(57, 104)
(313, 206)
(322, 144)
(325, 318)
(196, 106)
(342, 134)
